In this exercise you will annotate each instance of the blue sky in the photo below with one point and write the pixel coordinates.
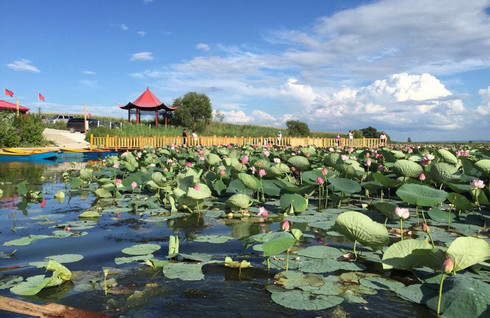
(416, 68)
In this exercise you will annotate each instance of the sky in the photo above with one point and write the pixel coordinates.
(418, 69)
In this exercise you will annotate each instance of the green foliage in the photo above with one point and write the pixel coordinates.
(31, 129)
(195, 111)
(297, 128)
(8, 134)
(370, 132)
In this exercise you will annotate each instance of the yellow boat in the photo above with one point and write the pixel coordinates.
(28, 151)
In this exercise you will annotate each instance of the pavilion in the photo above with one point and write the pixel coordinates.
(147, 102)
(7, 106)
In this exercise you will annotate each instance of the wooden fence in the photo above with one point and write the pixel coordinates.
(122, 143)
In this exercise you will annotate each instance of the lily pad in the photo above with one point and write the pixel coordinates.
(215, 239)
(141, 249)
(321, 252)
(468, 251)
(300, 300)
(183, 271)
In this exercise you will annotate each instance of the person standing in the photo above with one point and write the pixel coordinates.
(382, 139)
(195, 138)
(351, 138)
(184, 137)
(337, 140)
(279, 137)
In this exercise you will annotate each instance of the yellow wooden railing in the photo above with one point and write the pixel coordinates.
(122, 143)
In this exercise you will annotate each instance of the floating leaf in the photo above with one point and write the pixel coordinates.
(215, 239)
(299, 203)
(183, 271)
(89, 215)
(278, 243)
(23, 241)
(235, 264)
(380, 283)
(299, 300)
(141, 249)
(321, 252)
(137, 258)
(31, 286)
(295, 279)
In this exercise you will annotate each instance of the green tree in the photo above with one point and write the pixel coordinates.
(31, 129)
(195, 111)
(297, 128)
(370, 132)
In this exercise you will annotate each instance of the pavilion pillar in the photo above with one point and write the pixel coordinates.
(156, 118)
(137, 116)
(165, 118)
(129, 115)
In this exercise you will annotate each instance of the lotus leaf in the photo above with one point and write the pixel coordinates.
(447, 156)
(346, 186)
(272, 187)
(468, 251)
(386, 181)
(249, 181)
(321, 252)
(215, 239)
(239, 200)
(137, 258)
(300, 162)
(417, 293)
(9, 281)
(333, 159)
(294, 279)
(484, 166)
(279, 169)
(387, 209)
(398, 154)
(444, 172)
(312, 265)
(213, 159)
(440, 216)
(278, 243)
(89, 214)
(400, 255)
(311, 176)
(141, 249)
(173, 245)
(380, 283)
(407, 168)
(359, 227)
(299, 300)
(219, 186)
(421, 195)
(298, 202)
(463, 297)
(23, 241)
(86, 174)
(103, 193)
(31, 286)
(183, 271)
(201, 194)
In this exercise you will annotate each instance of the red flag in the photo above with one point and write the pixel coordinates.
(9, 93)
(41, 97)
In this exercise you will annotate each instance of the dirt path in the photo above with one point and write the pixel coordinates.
(66, 139)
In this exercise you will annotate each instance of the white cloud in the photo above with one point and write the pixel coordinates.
(142, 56)
(123, 27)
(23, 65)
(236, 116)
(484, 108)
(89, 73)
(202, 46)
(141, 33)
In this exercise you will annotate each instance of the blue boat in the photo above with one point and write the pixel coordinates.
(28, 156)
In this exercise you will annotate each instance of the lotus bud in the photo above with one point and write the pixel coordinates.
(244, 160)
(134, 184)
(320, 180)
(263, 212)
(188, 164)
(197, 188)
(262, 173)
(68, 228)
(277, 160)
(368, 154)
(116, 165)
(286, 225)
(293, 169)
(422, 177)
(307, 154)
(324, 171)
(222, 171)
(380, 168)
(368, 162)
(425, 227)
(402, 213)
(447, 266)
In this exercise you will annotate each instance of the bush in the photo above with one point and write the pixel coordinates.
(31, 129)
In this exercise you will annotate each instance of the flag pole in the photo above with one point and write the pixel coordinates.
(17, 107)
(85, 118)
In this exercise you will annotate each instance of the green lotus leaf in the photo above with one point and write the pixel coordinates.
(460, 201)
(468, 251)
(333, 159)
(278, 243)
(300, 300)
(299, 202)
(219, 186)
(201, 194)
(272, 187)
(249, 181)
(89, 214)
(23, 241)
(10, 281)
(279, 169)
(31, 286)
(213, 159)
(311, 176)
(183, 271)
(447, 156)
(444, 172)
(173, 245)
(294, 279)
(484, 166)
(385, 181)
(215, 239)
(300, 162)
(417, 293)
(312, 265)
(346, 186)
(400, 255)
(103, 193)
(159, 179)
(141, 249)
(63, 258)
(463, 297)
(86, 174)
(397, 154)
(359, 227)
(137, 258)
(407, 168)
(387, 209)
(235, 264)
(439, 215)
(421, 195)
(239, 200)
(321, 252)
(60, 275)
(380, 283)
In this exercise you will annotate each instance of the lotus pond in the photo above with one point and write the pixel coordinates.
(252, 231)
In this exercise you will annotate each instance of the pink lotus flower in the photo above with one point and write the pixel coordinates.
(259, 164)
(263, 212)
(477, 184)
(266, 153)
(286, 225)
(197, 188)
(344, 157)
(324, 171)
(293, 169)
(262, 173)
(118, 215)
(134, 184)
(201, 158)
(68, 228)
(447, 266)
(368, 162)
(401, 213)
(380, 167)
(331, 149)
(368, 155)
(252, 169)
(188, 164)
(244, 160)
(307, 154)
(116, 165)
(319, 180)
(222, 171)
(118, 183)
(409, 150)
(165, 169)
(277, 160)
(422, 177)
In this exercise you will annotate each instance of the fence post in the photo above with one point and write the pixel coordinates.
(115, 142)
(107, 141)
(141, 142)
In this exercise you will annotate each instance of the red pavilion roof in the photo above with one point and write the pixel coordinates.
(11, 106)
(148, 101)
